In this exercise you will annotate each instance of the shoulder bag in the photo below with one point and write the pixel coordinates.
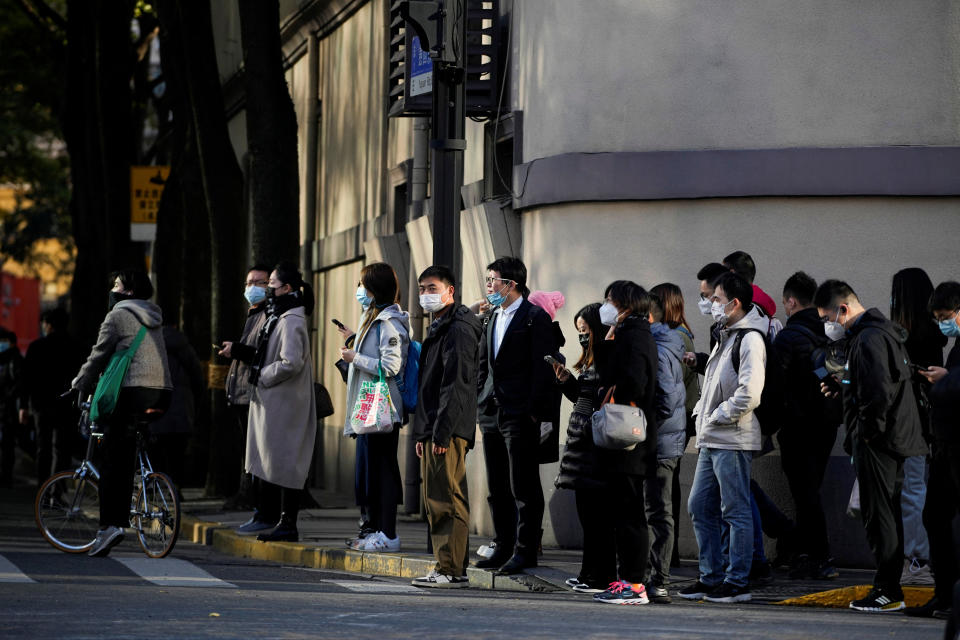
(108, 387)
(618, 426)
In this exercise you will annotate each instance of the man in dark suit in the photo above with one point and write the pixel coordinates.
(516, 337)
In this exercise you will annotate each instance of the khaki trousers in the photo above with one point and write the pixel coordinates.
(445, 498)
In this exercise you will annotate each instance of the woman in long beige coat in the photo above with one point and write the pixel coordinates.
(282, 426)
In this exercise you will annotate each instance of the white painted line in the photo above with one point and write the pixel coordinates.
(10, 573)
(173, 572)
(363, 586)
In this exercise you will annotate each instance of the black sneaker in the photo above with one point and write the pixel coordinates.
(760, 574)
(106, 539)
(727, 593)
(695, 591)
(879, 601)
(933, 609)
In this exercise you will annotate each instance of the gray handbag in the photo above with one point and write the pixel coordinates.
(618, 426)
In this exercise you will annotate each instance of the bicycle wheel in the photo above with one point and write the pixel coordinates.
(157, 515)
(67, 511)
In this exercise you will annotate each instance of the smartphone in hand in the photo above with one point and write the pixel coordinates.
(828, 379)
(337, 323)
(551, 360)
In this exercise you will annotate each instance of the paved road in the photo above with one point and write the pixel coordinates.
(198, 593)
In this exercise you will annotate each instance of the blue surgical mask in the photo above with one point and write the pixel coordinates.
(362, 297)
(496, 299)
(254, 294)
(950, 328)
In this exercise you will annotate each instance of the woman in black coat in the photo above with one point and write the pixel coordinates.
(616, 543)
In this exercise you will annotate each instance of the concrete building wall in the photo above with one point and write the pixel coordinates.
(632, 75)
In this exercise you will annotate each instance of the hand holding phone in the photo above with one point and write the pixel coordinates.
(550, 360)
(338, 324)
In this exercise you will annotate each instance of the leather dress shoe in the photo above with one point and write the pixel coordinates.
(516, 564)
(493, 562)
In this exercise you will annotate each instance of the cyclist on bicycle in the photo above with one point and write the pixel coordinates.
(146, 386)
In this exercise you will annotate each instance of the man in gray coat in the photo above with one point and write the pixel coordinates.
(445, 422)
(238, 378)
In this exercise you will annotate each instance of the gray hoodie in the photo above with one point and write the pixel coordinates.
(390, 353)
(149, 367)
(725, 418)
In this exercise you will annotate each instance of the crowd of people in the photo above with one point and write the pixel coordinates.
(498, 365)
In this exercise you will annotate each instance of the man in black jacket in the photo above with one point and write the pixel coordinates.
(516, 338)
(238, 385)
(883, 428)
(810, 425)
(445, 422)
(943, 486)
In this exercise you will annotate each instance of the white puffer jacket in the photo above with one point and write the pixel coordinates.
(725, 418)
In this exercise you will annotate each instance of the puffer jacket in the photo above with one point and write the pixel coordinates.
(671, 393)
(238, 378)
(148, 367)
(390, 353)
(879, 405)
(725, 418)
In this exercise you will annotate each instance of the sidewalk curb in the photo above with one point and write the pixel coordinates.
(397, 565)
(841, 598)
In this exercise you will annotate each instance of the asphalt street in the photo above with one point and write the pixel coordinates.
(199, 593)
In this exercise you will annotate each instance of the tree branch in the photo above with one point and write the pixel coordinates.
(48, 13)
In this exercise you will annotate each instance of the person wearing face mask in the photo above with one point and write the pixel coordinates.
(238, 385)
(146, 385)
(943, 484)
(626, 361)
(381, 342)
(728, 434)
(578, 464)
(517, 336)
(810, 424)
(883, 428)
(707, 276)
(282, 422)
(445, 422)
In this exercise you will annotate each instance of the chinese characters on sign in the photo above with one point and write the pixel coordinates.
(146, 189)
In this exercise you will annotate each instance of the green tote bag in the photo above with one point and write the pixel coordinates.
(108, 387)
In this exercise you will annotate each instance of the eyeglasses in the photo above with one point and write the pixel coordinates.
(251, 283)
(948, 316)
(492, 280)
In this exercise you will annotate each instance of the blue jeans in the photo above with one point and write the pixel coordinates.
(720, 497)
(912, 499)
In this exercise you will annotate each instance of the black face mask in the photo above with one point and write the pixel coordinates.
(116, 296)
(584, 340)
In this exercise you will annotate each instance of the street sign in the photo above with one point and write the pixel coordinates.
(146, 189)
(421, 69)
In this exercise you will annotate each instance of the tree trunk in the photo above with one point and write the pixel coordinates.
(212, 180)
(271, 136)
(97, 125)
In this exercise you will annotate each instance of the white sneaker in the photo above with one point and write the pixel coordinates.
(380, 542)
(915, 573)
(487, 550)
(437, 580)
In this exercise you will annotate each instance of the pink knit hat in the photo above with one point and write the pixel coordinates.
(549, 301)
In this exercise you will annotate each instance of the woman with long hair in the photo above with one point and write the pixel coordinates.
(379, 345)
(675, 318)
(282, 425)
(909, 298)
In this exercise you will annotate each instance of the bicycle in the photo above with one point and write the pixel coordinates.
(67, 507)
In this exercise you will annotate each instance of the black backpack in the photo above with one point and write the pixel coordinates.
(772, 399)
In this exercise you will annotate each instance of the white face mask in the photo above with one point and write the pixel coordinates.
(718, 311)
(704, 305)
(834, 330)
(608, 314)
(431, 302)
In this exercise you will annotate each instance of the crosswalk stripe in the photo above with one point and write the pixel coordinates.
(363, 586)
(173, 572)
(9, 572)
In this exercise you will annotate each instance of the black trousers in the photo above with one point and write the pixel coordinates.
(804, 458)
(513, 480)
(616, 542)
(378, 483)
(274, 501)
(943, 489)
(56, 439)
(881, 479)
(118, 449)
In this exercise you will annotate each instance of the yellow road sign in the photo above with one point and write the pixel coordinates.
(146, 188)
